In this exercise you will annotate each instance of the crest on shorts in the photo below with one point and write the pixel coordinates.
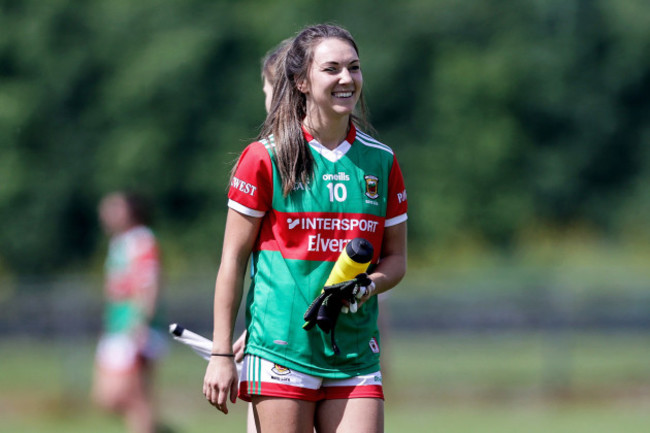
(280, 370)
(372, 186)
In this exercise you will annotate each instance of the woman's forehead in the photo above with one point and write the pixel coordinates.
(334, 50)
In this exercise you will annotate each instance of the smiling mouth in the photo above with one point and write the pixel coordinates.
(342, 94)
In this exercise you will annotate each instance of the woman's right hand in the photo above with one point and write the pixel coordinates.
(221, 381)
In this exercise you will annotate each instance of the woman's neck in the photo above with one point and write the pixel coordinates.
(124, 229)
(328, 132)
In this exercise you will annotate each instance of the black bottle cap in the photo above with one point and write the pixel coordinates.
(360, 250)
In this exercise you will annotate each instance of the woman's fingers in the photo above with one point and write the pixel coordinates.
(219, 384)
(234, 388)
(218, 397)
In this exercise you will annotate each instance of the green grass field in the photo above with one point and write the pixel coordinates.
(451, 383)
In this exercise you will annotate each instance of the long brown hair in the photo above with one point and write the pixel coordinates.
(288, 106)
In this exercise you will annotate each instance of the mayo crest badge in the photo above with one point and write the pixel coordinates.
(372, 186)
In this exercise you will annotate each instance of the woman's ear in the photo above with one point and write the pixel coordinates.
(301, 86)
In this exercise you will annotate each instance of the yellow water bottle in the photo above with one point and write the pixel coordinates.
(353, 260)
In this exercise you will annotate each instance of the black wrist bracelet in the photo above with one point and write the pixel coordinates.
(228, 355)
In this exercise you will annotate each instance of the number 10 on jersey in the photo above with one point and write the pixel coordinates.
(338, 191)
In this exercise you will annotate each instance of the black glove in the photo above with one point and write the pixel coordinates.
(325, 309)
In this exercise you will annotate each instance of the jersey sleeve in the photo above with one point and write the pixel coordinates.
(251, 186)
(397, 203)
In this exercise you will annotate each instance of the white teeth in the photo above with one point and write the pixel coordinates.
(342, 94)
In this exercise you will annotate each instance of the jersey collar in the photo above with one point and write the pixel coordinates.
(337, 153)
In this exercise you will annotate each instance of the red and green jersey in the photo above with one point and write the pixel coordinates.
(357, 190)
(132, 265)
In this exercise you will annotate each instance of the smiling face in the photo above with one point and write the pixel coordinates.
(334, 80)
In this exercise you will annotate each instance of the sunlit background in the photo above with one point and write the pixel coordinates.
(523, 131)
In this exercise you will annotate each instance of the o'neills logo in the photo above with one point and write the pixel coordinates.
(372, 186)
(338, 176)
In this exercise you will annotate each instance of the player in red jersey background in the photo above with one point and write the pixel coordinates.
(130, 344)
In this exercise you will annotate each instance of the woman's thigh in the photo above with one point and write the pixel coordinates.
(113, 390)
(355, 415)
(283, 415)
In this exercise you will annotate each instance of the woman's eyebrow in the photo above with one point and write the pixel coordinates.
(335, 63)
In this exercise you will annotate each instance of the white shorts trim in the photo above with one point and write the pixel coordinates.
(262, 377)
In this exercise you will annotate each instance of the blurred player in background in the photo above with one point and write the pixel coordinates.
(311, 164)
(129, 345)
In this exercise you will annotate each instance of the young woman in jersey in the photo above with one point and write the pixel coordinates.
(129, 346)
(313, 182)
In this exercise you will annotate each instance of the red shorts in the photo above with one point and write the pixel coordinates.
(262, 377)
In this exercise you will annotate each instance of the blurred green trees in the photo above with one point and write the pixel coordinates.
(505, 116)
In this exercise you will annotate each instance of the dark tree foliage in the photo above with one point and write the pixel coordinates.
(504, 115)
